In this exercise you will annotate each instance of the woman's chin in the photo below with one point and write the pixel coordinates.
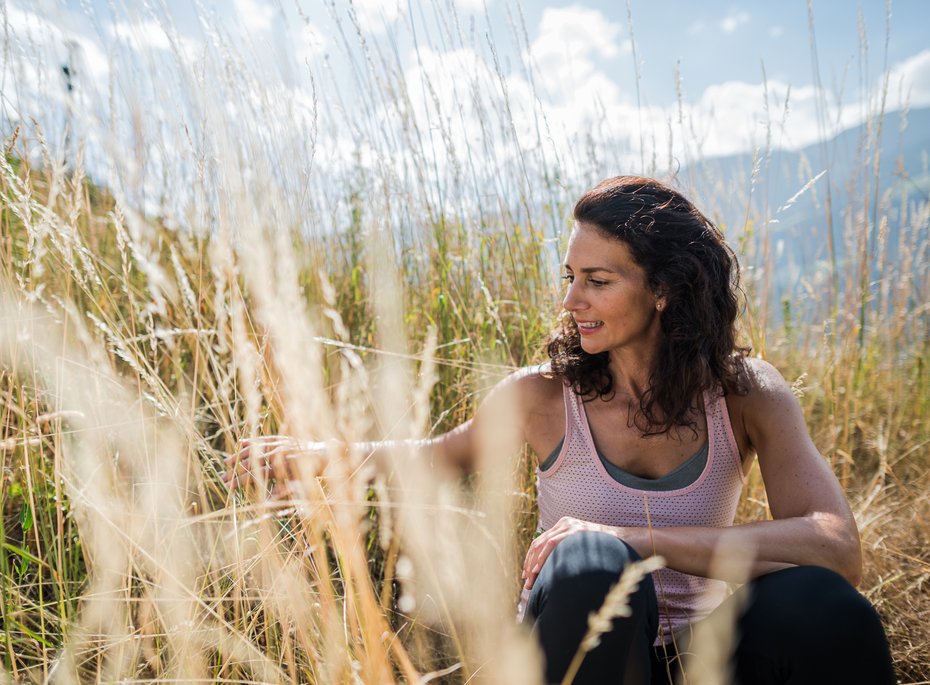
(590, 346)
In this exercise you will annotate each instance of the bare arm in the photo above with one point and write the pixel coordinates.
(502, 414)
(812, 522)
(451, 454)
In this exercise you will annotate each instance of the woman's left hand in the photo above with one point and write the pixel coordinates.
(542, 546)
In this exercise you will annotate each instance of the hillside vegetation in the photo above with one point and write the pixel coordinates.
(138, 346)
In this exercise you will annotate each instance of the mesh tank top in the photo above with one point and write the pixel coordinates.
(577, 485)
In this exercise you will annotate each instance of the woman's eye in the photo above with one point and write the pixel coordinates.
(594, 282)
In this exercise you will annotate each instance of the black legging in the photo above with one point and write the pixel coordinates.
(801, 625)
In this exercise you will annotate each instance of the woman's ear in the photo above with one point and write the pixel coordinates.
(661, 298)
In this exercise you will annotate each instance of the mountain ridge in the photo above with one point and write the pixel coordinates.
(765, 199)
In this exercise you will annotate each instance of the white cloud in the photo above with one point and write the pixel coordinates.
(375, 16)
(255, 15)
(455, 90)
(459, 106)
(310, 43)
(572, 102)
(579, 30)
(731, 117)
(41, 47)
(911, 78)
(734, 117)
(143, 34)
(734, 20)
(572, 108)
(776, 31)
(563, 54)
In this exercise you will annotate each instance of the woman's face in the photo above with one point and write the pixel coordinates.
(608, 295)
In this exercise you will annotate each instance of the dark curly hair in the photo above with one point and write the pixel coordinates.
(687, 261)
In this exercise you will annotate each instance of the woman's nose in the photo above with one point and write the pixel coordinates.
(571, 301)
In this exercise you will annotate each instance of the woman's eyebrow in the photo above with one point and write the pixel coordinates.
(592, 269)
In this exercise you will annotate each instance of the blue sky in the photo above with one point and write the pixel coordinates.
(716, 41)
(569, 65)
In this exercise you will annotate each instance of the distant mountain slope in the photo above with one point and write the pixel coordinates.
(798, 232)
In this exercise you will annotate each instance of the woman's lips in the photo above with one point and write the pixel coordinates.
(588, 327)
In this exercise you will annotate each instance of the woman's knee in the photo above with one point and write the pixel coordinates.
(573, 583)
(800, 589)
(588, 554)
(583, 567)
(812, 605)
(812, 622)
(594, 549)
(842, 610)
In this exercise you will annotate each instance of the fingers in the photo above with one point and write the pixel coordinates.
(241, 469)
(540, 549)
(537, 554)
(281, 462)
(252, 461)
(259, 446)
(265, 460)
(267, 441)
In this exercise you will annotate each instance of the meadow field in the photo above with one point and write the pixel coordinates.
(219, 259)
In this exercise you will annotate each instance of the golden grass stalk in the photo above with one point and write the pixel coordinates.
(302, 307)
(127, 486)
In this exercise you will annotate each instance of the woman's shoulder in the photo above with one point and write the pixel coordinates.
(763, 402)
(536, 382)
(534, 391)
(765, 393)
(541, 406)
(761, 380)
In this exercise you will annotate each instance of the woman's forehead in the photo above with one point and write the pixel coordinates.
(589, 244)
(595, 236)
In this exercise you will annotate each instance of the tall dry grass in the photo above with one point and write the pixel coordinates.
(275, 287)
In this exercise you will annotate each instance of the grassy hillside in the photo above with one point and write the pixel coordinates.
(257, 264)
(99, 483)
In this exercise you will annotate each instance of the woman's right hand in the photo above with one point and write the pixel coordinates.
(267, 459)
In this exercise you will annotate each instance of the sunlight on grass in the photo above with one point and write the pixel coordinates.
(281, 288)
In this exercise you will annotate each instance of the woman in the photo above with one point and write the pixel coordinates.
(644, 422)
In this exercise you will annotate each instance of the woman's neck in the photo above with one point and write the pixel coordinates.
(630, 372)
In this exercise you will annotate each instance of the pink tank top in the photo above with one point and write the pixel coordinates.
(578, 485)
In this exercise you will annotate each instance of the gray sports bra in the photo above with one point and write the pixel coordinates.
(681, 477)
